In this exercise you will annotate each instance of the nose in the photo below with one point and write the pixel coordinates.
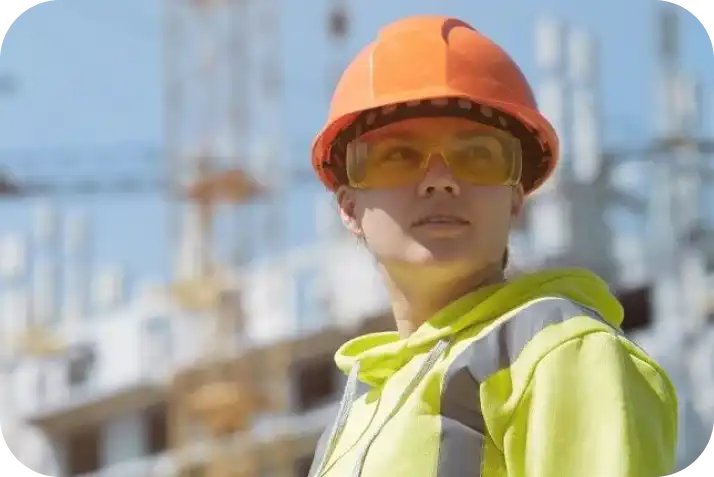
(438, 178)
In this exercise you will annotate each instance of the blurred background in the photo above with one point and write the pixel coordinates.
(173, 279)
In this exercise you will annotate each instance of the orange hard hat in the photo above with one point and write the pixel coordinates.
(431, 66)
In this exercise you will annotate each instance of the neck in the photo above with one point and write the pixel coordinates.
(417, 292)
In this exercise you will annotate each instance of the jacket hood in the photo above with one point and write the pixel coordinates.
(382, 354)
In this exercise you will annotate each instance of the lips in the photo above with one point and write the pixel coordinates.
(440, 219)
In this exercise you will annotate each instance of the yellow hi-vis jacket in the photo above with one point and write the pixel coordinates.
(532, 378)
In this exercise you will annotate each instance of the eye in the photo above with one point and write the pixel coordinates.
(401, 154)
(482, 151)
(477, 152)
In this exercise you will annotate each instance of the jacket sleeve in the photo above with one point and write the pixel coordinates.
(594, 408)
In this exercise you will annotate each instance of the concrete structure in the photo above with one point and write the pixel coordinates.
(99, 402)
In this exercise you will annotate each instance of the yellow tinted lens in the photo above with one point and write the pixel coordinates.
(384, 163)
(483, 157)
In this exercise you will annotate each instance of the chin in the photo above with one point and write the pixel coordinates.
(439, 253)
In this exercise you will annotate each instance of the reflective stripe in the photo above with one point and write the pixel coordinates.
(462, 426)
(321, 448)
(463, 429)
(348, 397)
(429, 363)
(320, 451)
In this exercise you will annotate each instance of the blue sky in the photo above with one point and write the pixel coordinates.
(88, 80)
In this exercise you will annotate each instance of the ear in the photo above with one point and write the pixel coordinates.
(518, 199)
(347, 207)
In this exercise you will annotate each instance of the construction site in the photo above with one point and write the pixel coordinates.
(227, 369)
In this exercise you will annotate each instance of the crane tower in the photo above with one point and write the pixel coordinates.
(206, 121)
(208, 76)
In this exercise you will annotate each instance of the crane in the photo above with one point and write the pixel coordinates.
(107, 170)
(209, 73)
(209, 86)
(225, 399)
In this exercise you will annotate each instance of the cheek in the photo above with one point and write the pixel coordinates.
(379, 226)
(493, 212)
(384, 217)
(382, 207)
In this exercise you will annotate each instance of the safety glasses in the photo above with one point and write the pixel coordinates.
(482, 156)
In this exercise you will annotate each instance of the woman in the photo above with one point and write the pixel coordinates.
(433, 143)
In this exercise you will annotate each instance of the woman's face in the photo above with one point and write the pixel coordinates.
(437, 218)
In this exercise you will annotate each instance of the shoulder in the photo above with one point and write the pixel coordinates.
(527, 333)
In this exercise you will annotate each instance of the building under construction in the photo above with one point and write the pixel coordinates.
(228, 370)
